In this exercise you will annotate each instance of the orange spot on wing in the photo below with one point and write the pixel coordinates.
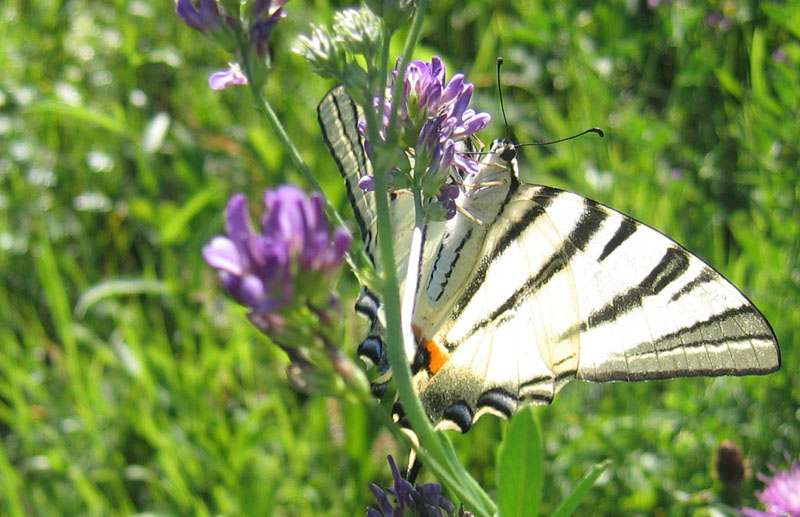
(437, 356)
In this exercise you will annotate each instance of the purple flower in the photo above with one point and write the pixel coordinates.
(423, 500)
(781, 497)
(447, 197)
(236, 33)
(206, 18)
(437, 111)
(718, 20)
(266, 14)
(224, 78)
(293, 250)
(434, 119)
(780, 55)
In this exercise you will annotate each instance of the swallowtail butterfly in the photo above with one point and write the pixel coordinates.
(538, 286)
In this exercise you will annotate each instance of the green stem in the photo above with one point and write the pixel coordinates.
(357, 258)
(266, 109)
(408, 49)
(391, 294)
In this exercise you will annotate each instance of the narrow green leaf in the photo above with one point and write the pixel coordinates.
(571, 502)
(757, 53)
(113, 288)
(177, 226)
(79, 114)
(729, 82)
(519, 467)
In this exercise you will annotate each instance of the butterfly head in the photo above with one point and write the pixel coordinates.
(504, 149)
(498, 167)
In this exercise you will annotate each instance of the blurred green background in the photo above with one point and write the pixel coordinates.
(130, 384)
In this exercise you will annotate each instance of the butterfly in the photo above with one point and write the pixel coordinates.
(528, 287)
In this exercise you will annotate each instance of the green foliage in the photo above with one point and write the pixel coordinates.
(519, 467)
(128, 383)
(573, 500)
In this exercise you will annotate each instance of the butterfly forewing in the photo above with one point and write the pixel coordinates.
(649, 309)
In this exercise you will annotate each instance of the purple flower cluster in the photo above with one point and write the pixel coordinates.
(440, 113)
(781, 497)
(435, 117)
(293, 250)
(211, 19)
(423, 500)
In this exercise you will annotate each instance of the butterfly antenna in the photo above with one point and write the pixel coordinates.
(590, 130)
(500, 91)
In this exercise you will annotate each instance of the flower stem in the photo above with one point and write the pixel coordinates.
(399, 335)
(408, 49)
(357, 258)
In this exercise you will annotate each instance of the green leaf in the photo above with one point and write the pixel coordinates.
(730, 83)
(118, 287)
(570, 504)
(61, 110)
(177, 227)
(787, 16)
(519, 467)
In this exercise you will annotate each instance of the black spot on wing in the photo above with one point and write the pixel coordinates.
(498, 399)
(368, 305)
(460, 414)
(399, 415)
(422, 359)
(373, 349)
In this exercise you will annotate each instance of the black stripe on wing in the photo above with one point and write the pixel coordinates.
(510, 235)
(625, 230)
(737, 321)
(705, 276)
(672, 265)
(453, 261)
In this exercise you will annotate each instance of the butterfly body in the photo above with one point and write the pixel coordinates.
(463, 237)
(528, 287)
